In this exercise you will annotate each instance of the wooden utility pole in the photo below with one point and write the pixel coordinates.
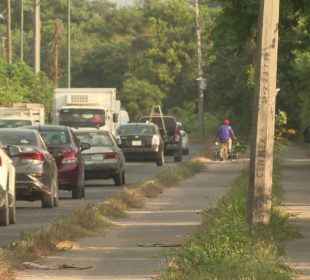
(263, 123)
(69, 43)
(22, 30)
(9, 32)
(200, 80)
(37, 37)
(58, 35)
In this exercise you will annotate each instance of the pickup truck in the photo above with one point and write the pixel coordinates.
(7, 190)
(171, 135)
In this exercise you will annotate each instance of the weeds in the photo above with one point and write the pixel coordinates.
(87, 220)
(225, 248)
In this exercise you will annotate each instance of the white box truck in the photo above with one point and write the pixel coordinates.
(85, 108)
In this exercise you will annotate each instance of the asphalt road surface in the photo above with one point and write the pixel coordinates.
(30, 215)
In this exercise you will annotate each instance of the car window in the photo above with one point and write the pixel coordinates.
(18, 138)
(55, 137)
(170, 122)
(95, 139)
(136, 129)
(14, 123)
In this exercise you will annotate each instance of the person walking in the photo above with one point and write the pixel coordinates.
(225, 136)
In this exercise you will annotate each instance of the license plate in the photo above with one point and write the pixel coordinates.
(97, 157)
(136, 143)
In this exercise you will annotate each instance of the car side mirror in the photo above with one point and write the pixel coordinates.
(13, 150)
(84, 146)
(115, 117)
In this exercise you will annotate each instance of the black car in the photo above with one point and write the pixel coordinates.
(171, 134)
(62, 143)
(141, 142)
(104, 159)
(36, 170)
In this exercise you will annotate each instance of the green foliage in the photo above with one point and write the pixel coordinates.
(225, 248)
(138, 97)
(20, 84)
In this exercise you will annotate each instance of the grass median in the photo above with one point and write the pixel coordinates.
(89, 220)
(225, 248)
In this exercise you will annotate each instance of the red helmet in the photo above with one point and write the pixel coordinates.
(226, 121)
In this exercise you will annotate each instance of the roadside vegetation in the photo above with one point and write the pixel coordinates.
(225, 248)
(88, 220)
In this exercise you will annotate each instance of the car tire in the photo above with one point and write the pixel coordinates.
(161, 160)
(178, 156)
(12, 212)
(118, 178)
(77, 192)
(4, 212)
(56, 195)
(47, 200)
(123, 177)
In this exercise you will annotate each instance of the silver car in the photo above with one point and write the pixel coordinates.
(36, 170)
(104, 159)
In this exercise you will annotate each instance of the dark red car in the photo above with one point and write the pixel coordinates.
(64, 146)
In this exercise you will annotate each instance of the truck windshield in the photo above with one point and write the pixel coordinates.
(80, 117)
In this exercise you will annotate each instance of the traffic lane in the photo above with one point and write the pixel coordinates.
(31, 216)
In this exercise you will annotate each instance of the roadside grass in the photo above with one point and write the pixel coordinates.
(88, 220)
(225, 248)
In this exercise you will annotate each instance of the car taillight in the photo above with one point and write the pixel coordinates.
(177, 136)
(110, 155)
(31, 155)
(0, 161)
(155, 140)
(69, 157)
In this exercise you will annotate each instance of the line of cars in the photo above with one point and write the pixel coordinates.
(37, 161)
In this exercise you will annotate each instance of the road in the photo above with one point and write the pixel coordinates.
(31, 216)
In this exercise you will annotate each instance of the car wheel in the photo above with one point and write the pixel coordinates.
(77, 192)
(178, 156)
(56, 195)
(12, 212)
(47, 200)
(123, 178)
(118, 179)
(4, 212)
(161, 160)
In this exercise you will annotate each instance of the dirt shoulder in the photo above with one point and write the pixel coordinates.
(135, 248)
(296, 183)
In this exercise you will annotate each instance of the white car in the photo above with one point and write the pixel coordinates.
(7, 190)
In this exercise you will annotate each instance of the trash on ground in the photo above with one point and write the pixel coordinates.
(31, 265)
(159, 245)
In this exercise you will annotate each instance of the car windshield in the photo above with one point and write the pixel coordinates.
(170, 122)
(136, 129)
(95, 139)
(14, 123)
(18, 138)
(55, 137)
(81, 117)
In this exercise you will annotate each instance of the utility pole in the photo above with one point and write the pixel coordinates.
(58, 35)
(200, 80)
(69, 43)
(9, 32)
(263, 122)
(37, 37)
(22, 30)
